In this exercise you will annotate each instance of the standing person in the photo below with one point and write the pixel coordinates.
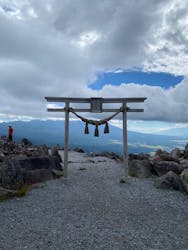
(10, 133)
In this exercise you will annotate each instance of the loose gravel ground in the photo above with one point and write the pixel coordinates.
(93, 210)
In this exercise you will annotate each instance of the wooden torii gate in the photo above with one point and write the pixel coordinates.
(96, 106)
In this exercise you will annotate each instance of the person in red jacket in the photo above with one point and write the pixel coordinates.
(10, 133)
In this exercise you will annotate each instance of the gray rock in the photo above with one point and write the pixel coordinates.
(57, 173)
(164, 156)
(22, 170)
(44, 150)
(184, 179)
(79, 150)
(37, 175)
(110, 155)
(11, 175)
(140, 168)
(161, 152)
(186, 151)
(32, 163)
(139, 157)
(26, 142)
(169, 181)
(175, 153)
(55, 153)
(163, 167)
(2, 156)
(6, 193)
(183, 164)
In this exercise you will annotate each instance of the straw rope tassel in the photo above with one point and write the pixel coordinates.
(96, 131)
(86, 131)
(106, 128)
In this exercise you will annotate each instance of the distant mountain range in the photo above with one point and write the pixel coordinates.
(52, 132)
(180, 132)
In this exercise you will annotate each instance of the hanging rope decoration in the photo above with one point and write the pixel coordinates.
(95, 122)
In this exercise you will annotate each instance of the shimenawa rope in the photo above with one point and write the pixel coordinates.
(95, 122)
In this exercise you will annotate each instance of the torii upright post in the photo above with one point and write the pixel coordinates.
(125, 150)
(66, 139)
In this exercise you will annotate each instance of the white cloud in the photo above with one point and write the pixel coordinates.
(87, 39)
(161, 104)
(55, 48)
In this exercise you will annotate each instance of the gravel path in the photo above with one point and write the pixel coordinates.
(92, 210)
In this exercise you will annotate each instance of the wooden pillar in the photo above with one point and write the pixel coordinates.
(66, 139)
(125, 148)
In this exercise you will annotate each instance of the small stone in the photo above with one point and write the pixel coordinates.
(82, 168)
(79, 150)
(57, 173)
(123, 179)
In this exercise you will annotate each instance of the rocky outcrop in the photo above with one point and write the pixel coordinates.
(139, 156)
(2, 156)
(164, 156)
(175, 153)
(183, 164)
(11, 175)
(26, 142)
(162, 167)
(169, 181)
(140, 168)
(23, 170)
(79, 150)
(37, 175)
(186, 151)
(23, 164)
(55, 152)
(184, 178)
(170, 169)
(110, 155)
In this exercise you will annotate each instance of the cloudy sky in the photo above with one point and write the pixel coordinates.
(106, 48)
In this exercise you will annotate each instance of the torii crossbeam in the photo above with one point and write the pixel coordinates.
(96, 106)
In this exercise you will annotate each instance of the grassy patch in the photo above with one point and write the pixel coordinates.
(22, 191)
(15, 193)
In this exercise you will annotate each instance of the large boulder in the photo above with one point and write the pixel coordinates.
(44, 149)
(2, 156)
(22, 170)
(183, 164)
(32, 163)
(26, 142)
(11, 175)
(163, 167)
(140, 168)
(138, 156)
(55, 152)
(169, 181)
(37, 175)
(175, 153)
(36, 151)
(163, 156)
(184, 179)
(79, 150)
(186, 151)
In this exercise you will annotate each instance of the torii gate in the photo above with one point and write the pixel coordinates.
(96, 106)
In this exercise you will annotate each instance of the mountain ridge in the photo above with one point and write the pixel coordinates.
(51, 132)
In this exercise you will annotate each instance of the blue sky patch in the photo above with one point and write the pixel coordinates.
(164, 80)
